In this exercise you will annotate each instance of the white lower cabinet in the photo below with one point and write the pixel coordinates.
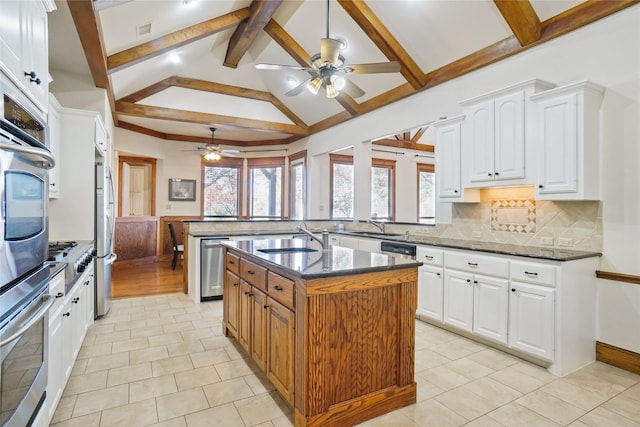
(477, 304)
(430, 292)
(532, 319)
(69, 320)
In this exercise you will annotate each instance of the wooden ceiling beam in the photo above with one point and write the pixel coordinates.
(87, 23)
(297, 52)
(161, 113)
(418, 135)
(384, 40)
(200, 139)
(147, 91)
(261, 12)
(388, 142)
(126, 58)
(522, 19)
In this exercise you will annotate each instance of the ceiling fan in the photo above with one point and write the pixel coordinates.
(328, 70)
(213, 151)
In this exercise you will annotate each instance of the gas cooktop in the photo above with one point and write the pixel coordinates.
(60, 250)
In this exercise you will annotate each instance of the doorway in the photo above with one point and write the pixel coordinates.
(137, 192)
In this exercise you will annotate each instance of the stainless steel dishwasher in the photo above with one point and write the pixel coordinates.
(211, 268)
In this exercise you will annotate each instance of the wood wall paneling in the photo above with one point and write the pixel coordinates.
(136, 237)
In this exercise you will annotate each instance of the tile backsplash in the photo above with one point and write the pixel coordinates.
(512, 215)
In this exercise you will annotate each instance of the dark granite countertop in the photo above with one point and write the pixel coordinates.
(552, 254)
(338, 261)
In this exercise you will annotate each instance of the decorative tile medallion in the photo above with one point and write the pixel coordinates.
(516, 216)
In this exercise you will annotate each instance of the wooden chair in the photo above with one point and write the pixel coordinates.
(178, 250)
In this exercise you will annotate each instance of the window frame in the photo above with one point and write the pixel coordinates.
(299, 158)
(424, 167)
(262, 162)
(341, 159)
(227, 163)
(391, 165)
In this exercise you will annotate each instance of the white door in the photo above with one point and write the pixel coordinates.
(137, 191)
(559, 144)
(509, 137)
(532, 319)
(478, 136)
(448, 161)
(458, 299)
(430, 292)
(490, 307)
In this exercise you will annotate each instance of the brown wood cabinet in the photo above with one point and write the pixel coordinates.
(339, 349)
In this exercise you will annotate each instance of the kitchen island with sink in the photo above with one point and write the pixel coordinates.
(333, 330)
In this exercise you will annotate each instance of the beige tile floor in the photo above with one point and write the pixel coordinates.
(162, 361)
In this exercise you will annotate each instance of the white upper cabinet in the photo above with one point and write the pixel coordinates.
(495, 136)
(448, 166)
(24, 47)
(568, 128)
(53, 120)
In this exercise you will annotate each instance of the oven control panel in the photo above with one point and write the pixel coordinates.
(83, 261)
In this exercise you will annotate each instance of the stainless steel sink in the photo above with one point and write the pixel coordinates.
(285, 250)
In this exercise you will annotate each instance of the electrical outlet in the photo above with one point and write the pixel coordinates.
(476, 234)
(547, 241)
(168, 206)
(565, 241)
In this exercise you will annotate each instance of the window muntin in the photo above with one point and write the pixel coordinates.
(266, 187)
(297, 187)
(426, 193)
(221, 190)
(342, 176)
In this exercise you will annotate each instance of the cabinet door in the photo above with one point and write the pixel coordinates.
(232, 302)
(349, 242)
(245, 315)
(448, 161)
(559, 145)
(509, 137)
(532, 319)
(280, 344)
(259, 329)
(478, 137)
(490, 308)
(430, 292)
(36, 53)
(68, 350)
(12, 22)
(458, 299)
(369, 245)
(56, 378)
(54, 145)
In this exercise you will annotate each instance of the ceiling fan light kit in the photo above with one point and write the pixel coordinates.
(328, 67)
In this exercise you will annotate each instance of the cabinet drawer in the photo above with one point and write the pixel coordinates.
(491, 266)
(539, 274)
(253, 274)
(281, 289)
(233, 263)
(429, 255)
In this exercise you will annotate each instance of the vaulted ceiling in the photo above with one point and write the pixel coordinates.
(175, 68)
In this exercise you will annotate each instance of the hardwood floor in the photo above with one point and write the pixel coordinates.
(146, 277)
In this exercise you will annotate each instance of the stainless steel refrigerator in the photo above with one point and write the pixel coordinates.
(104, 229)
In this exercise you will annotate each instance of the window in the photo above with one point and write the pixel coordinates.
(341, 186)
(426, 193)
(265, 187)
(382, 189)
(297, 185)
(222, 184)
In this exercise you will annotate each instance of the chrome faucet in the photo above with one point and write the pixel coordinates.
(324, 242)
(378, 224)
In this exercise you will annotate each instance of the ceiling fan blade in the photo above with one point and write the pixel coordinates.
(229, 153)
(372, 68)
(352, 89)
(298, 89)
(329, 51)
(281, 67)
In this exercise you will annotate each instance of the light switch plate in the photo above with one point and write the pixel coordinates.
(565, 241)
(547, 241)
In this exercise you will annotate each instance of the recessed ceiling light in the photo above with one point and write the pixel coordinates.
(174, 58)
(188, 2)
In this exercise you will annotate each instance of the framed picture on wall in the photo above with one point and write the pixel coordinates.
(182, 190)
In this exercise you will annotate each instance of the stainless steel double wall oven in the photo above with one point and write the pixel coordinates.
(24, 274)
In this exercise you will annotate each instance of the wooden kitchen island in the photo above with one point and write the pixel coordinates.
(334, 332)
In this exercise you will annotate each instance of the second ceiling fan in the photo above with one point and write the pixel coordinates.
(328, 70)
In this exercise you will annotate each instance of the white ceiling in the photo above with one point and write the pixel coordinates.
(433, 32)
